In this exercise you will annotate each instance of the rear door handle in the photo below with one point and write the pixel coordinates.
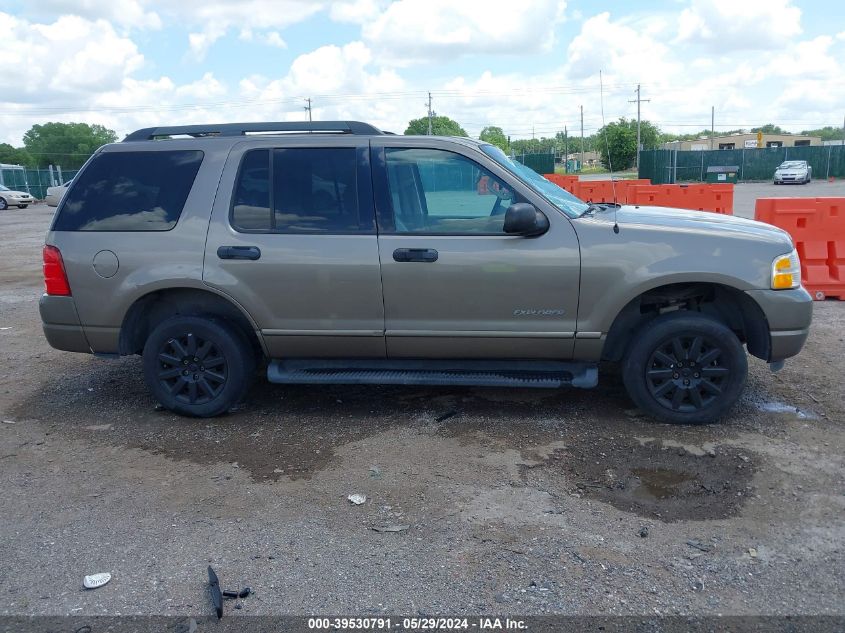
(415, 255)
(239, 252)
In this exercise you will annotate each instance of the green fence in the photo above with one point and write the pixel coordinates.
(34, 181)
(541, 163)
(667, 166)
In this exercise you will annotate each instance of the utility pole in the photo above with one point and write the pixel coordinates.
(639, 145)
(712, 125)
(565, 150)
(308, 108)
(430, 114)
(582, 137)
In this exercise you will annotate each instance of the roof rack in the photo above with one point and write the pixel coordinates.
(243, 129)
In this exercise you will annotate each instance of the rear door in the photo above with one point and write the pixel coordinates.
(292, 239)
(455, 285)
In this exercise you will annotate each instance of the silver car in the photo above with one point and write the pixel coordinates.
(10, 198)
(794, 171)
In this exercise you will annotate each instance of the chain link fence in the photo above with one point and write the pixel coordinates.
(666, 166)
(33, 181)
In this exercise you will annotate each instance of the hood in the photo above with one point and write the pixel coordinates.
(791, 169)
(702, 222)
(14, 192)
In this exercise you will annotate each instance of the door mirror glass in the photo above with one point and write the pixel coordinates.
(524, 219)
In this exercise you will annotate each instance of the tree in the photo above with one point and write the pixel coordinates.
(440, 126)
(622, 142)
(495, 136)
(827, 133)
(15, 156)
(769, 128)
(66, 144)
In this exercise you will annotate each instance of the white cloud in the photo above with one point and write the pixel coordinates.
(621, 51)
(126, 13)
(424, 30)
(356, 11)
(729, 25)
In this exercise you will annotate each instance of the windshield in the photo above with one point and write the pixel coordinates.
(562, 199)
(793, 164)
(2, 188)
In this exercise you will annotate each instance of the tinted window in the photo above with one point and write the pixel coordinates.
(312, 190)
(251, 202)
(435, 191)
(130, 191)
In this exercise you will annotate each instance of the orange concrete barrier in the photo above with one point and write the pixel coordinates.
(817, 226)
(715, 198)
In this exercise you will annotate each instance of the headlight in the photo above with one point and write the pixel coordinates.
(786, 271)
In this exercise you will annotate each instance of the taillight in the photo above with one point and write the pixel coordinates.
(55, 278)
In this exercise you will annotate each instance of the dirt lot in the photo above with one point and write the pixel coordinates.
(517, 502)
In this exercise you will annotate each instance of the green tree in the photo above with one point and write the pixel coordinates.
(769, 128)
(495, 136)
(827, 133)
(15, 156)
(622, 142)
(440, 126)
(66, 144)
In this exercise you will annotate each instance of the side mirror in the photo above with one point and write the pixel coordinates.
(523, 219)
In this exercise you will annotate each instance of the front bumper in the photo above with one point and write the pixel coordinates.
(791, 178)
(16, 202)
(789, 314)
(61, 324)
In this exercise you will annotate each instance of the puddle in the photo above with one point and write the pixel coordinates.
(655, 479)
(660, 483)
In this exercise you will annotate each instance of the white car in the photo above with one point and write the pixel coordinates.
(10, 198)
(793, 171)
(55, 194)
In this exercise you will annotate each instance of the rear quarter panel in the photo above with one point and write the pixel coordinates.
(148, 260)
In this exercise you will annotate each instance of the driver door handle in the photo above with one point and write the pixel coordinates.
(239, 252)
(427, 255)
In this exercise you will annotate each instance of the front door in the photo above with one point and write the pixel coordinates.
(455, 285)
(292, 239)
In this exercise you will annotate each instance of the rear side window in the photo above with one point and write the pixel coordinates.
(299, 190)
(130, 191)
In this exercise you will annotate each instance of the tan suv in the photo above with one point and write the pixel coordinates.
(334, 253)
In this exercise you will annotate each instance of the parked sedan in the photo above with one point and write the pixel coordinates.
(55, 194)
(793, 171)
(10, 198)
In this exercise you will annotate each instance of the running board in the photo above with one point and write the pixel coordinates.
(470, 373)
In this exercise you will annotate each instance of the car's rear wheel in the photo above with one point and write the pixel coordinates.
(23, 206)
(198, 366)
(685, 368)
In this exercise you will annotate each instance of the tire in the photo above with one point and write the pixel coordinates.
(23, 206)
(175, 358)
(660, 384)
(3, 204)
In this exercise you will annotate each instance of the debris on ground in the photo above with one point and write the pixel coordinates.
(216, 595)
(357, 498)
(699, 545)
(375, 472)
(96, 580)
(8, 421)
(752, 552)
(243, 593)
(644, 531)
(390, 528)
(447, 415)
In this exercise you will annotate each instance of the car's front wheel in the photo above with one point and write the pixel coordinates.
(3, 204)
(198, 366)
(685, 368)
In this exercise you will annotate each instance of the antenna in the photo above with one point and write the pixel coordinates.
(607, 146)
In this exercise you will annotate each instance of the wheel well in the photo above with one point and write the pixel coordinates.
(151, 309)
(728, 305)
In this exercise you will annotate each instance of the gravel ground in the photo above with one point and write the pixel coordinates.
(516, 502)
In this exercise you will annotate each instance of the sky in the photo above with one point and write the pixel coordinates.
(527, 66)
